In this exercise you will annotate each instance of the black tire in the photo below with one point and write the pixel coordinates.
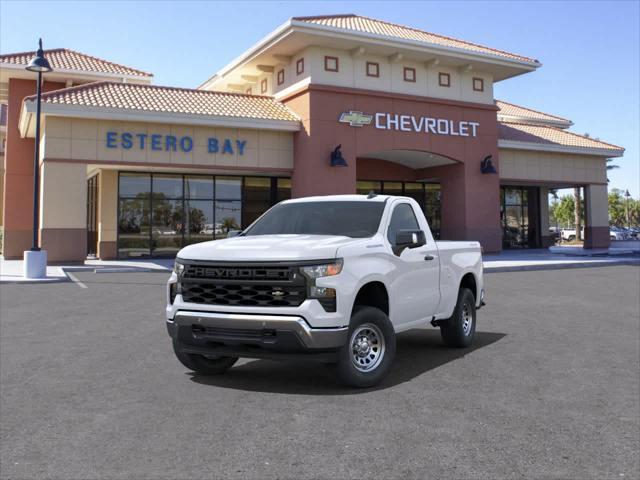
(571, 238)
(367, 324)
(203, 365)
(453, 331)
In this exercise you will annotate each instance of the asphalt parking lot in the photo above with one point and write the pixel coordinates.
(90, 389)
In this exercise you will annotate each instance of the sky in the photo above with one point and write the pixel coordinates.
(590, 51)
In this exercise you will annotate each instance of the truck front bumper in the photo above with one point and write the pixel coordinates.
(249, 335)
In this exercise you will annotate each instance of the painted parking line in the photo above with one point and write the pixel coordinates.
(75, 280)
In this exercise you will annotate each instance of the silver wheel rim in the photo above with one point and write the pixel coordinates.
(366, 347)
(467, 319)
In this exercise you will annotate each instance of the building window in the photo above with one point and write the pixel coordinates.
(444, 79)
(409, 74)
(373, 69)
(280, 77)
(519, 216)
(158, 214)
(331, 64)
(300, 66)
(428, 196)
(478, 84)
(248, 91)
(263, 86)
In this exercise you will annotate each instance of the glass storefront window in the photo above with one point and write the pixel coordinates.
(134, 227)
(364, 188)
(415, 191)
(167, 186)
(198, 187)
(392, 188)
(426, 194)
(135, 185)
(518, 218)
(256, 198)
(199, 221)
(167, 226)
(283, 191)
(228, 188)
(228, 217)
(186, 209)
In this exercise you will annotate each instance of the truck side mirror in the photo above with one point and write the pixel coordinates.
(233, 233)
(408, 239)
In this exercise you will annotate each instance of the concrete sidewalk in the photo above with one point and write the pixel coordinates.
(11, 270)
(543, 259)
(506, 261)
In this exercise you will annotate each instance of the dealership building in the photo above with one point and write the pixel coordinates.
(322, 105)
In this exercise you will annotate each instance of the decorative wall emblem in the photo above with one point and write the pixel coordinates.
(355, 119)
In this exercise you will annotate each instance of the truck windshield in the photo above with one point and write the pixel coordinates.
(349, 219)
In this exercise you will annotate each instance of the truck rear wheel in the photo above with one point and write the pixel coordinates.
(204, 365)
(371, 347)
(458, 330)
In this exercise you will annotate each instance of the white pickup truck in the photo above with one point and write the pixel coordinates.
(331, 278)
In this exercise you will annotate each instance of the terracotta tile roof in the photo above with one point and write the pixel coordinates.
(545, 135)
(370, 25)
(65, 59)
(152, 98)
(522, 113)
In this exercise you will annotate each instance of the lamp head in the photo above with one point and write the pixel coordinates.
(337, 160)
(39, 63)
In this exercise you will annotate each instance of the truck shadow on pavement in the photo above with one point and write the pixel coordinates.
(418, 352)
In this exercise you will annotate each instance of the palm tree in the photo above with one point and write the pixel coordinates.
(611, 167)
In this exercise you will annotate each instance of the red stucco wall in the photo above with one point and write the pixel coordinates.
(470, 200)
(18, 178)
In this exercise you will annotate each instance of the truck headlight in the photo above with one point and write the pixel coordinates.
(326, 296)
(178, 268)
(323, 270)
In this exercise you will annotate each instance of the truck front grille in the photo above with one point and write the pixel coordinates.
(242, 285)
(243, 294)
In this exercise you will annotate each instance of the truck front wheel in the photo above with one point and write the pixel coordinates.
(204, 365)
(458, 330)
(370, 348)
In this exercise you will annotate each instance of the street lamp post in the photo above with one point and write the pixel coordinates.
(626, 208)
(35, 260)
(555, 207)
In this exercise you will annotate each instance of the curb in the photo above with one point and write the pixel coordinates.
(565, 266)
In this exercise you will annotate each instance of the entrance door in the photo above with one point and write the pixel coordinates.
(520, 217)
(92, 216)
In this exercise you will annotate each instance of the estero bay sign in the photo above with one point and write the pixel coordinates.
(171, 143)
(411, 123)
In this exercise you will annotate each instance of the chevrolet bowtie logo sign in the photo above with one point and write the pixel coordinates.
(355, 119)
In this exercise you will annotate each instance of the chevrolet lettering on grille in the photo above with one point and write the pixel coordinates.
(238, 273)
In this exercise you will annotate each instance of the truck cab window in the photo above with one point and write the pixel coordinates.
(402, 218)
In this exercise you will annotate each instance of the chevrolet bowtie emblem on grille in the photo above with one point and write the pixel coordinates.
(355, 119)
(277, 293)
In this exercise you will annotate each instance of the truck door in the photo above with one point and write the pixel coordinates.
(416, 281)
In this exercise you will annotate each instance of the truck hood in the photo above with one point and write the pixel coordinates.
(261, 248)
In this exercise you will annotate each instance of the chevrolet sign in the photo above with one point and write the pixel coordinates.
(411, 123)
(355, 119)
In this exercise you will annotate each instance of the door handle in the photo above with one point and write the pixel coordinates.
(429, 257)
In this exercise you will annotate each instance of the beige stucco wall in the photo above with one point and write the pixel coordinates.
(84, 139)
(352, 74)
(597, 203)
(63, 195)
(108, 206)
(552, 167)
